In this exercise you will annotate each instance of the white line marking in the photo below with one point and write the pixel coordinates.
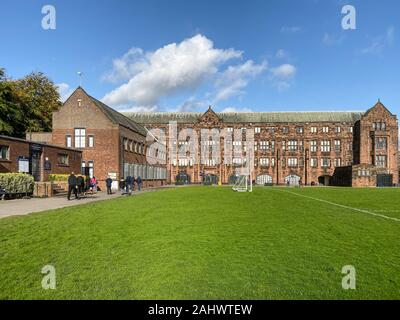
(343, 206)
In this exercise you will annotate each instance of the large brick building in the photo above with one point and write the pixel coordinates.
(342, 148)
(112, 145)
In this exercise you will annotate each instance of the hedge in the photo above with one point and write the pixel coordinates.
(16, 182)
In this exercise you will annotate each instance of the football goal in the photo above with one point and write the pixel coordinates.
(243, 184)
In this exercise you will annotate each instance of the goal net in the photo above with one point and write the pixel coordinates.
(243, 184)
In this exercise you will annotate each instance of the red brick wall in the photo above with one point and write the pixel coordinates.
(16, 149)
(19, 148)
(105, 152)
(50, 152)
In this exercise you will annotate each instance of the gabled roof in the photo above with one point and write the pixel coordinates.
(246, 117)
(378, 104)
(119, 118)
(115, 116)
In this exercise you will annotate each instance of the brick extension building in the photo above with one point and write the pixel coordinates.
(38, 159)
(341, 148)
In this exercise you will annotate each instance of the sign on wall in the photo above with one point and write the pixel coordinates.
(23, 165)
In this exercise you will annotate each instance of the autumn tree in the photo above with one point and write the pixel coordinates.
(27, 104)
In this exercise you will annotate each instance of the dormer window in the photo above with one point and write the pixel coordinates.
(379, 126)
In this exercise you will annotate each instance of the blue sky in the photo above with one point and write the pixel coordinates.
(281, 55)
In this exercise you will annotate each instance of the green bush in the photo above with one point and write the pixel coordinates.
(16, 182)
(58, 177)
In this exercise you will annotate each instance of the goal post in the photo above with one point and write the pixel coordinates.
(244, 181)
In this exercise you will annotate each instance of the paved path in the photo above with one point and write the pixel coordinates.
(21, 207)
(25, 206)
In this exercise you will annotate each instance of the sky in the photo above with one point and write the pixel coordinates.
(184, 55)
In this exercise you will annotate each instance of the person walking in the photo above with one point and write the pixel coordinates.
(139, 183)
(93, 184)
(128, 184)
(122, 185)
(132, 183)
(109, 184)
(72, 186)
(81, 185)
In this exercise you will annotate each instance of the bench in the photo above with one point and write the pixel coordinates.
(8, 195)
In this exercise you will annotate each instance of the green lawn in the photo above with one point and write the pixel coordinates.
(208, 243)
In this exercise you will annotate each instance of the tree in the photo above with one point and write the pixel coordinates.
(27, 104)
(39, 98)
(11, 122)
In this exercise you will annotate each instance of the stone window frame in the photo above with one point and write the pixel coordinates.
(4, 155)
(314, 162)
(314, 146)
(314, 129)
(381, 161)
(327, 164)
(292, 145)
(63, 159)
(68, 137)
(81, 139)
(299, 130)
(325, 146)
(378, 143)
(338, 145)
(293, 162)
(90, 141)
(264, 162)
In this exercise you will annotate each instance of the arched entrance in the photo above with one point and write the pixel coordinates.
(182, 178)
(264, 179)
(324, 180)
(210, 179)
(292, 180)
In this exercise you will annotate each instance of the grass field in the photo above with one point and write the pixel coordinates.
(209, 243)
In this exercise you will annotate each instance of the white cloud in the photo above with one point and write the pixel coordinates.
(190, 105)
(127, 66)
(284, 71)
(332, 40)
(171, 69)
(282, 76)
(290, 30)
(379, 43)
(139, 109)
(64, 90)
(235, 78)
(282, 54)
(236, 110)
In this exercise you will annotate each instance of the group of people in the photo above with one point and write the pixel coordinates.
(79, 185)
(127, 185)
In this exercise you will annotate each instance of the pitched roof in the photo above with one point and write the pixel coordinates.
(243, 117)
(119, 118)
